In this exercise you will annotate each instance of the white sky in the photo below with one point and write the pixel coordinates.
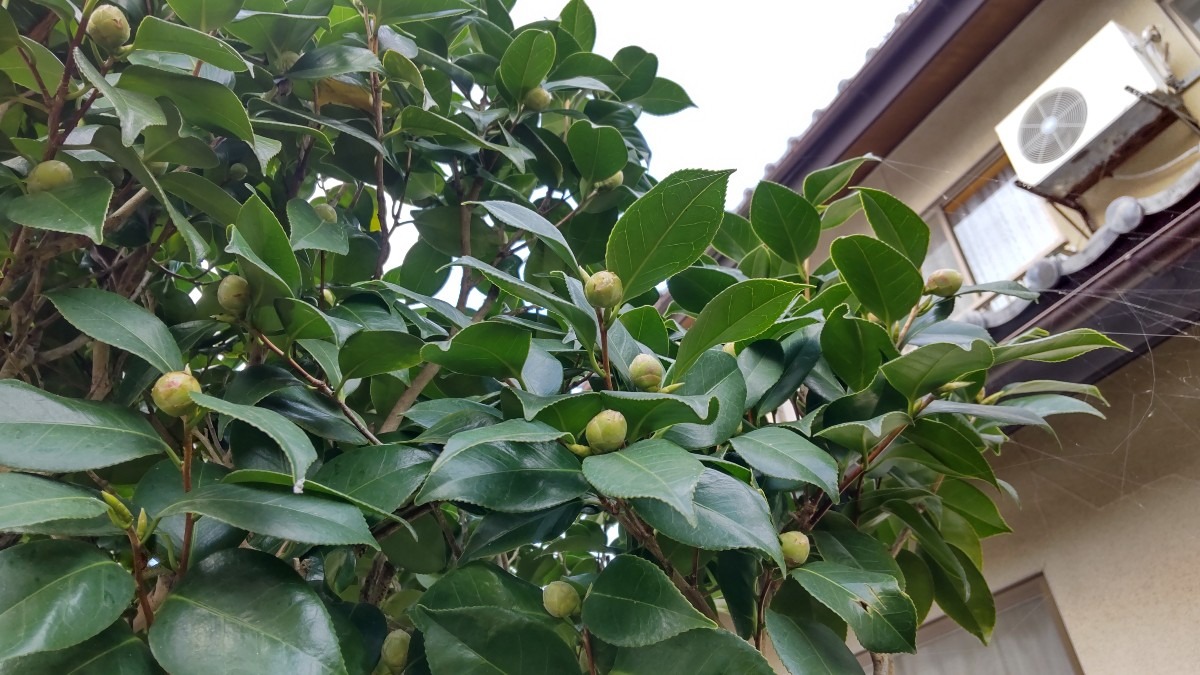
(756, 69)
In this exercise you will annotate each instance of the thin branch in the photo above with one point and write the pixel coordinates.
(189, 522)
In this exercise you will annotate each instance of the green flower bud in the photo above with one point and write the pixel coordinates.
(647, 372)
(795, 548)
(395, 650)
(170, 393)
(326, 212)
(49, 175)
(286, 61)
(537, 99)
(612, 182)
(118, 513)
(143, 525)
(944, 283)
(238, 171)
(730, 349)
(580, 450)
(560, 599)
(329, 298)
(233, 294)
(606, 432)
(671, 388)
(604, 290)
(108, 27)
(158, 168)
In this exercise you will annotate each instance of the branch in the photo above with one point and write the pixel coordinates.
(646, 538)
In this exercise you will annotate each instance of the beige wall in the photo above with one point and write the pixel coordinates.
(960, 132)
(1110, 518)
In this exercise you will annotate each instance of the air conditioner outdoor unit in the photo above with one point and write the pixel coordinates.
(1079, 108)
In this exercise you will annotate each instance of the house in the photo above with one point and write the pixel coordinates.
(1100, 575)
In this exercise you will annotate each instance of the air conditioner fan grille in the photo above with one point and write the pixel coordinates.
(1052, 125)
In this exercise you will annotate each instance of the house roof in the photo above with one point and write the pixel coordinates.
(929, 53)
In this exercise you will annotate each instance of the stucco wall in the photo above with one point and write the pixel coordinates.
(1110, 518)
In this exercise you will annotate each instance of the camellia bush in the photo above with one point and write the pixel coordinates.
(235, 439)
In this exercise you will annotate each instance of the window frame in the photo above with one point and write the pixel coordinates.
(1190, 31)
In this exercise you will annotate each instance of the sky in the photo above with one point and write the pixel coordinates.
(756, 69)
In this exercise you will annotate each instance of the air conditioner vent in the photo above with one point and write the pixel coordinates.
(1052, 125)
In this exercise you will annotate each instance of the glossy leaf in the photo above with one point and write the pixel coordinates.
(882, 279)
(715, 375)
(309, 231)
(598, 151)
(114, 651)
(295, 445)
(114, 320)
(664, 98)
(488, 348)
(824, 184)
(78, 208)
(527, 61)
(855, 348)
(840, 541)
(633, 604)
(1055, 348)
(896, 224)
(739, 312)
(667, 229)
(515, 215)
(507, 476)
(305, 518)
(265, 256)
(331, 60)
(882, 616)
(785, 221)
(384, 476)
(491, 640)
(154, 34)
(248, 603)
(206, 15)
(162, 486)
(374, 352)
(501, 532)
(696, 652)
(655, 469)
(508, 430)
(57, 593)
(975, 609)
(29, 500)
(809, 647)
(923, 370)
(932, 541)
(135, 110)
(71, 435)
(951, 448)
(785, 454)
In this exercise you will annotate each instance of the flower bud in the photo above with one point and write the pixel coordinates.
(143, 525)
(118, 513)
(647, 372)
(612, 182)
(730, 349)
(604, 290)
(944, 283)
(238, 171)
(328, 296)
(795, 548)
(48, 175)
(326, 212)
(579, 450)
(285, 61)
(560, 599)
(171, 393)
(606, 432)
(233, 294)
(537, 99)
(395, 650)
(108, 27)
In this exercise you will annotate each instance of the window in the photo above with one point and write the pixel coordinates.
(1029, 638)
(1186, 12)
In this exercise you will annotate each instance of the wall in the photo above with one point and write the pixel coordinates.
(1109, 517)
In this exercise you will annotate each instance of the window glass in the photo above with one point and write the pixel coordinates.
(1188, 10)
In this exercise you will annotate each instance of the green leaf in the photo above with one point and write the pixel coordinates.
(303, 518)
(156, 35)
(951, 448)
(29, 500)
(206, 15)
(975, 610)
(840, 541)
(778, 452)
(162, 486)
(247, 603)
(761, 364)
(633, 604)
(694, 288)
(57, 593)
(420, 122)
(387, 11)
(882, 279)
(502, 532)
(309, 231)
(1051, 386)
(1055, 348)
(808, 647)
(882, 616)
(932, 541)
(488, 348)
(648, 412)
(424, 270)
(855, 348)
(508, 430)
(786, 222)
(639, 67)
(515, 215)
(578, 20)
(664, 98)
(1011, 288)
(991, 413)
(824, 184)
(264, 253)
(1052, 404)
(331, 60)
(654, 469)
(384, 476)
(923, 370)
(729, 515)
(374, 352)
(861, 435)
(737, 573)
(840, 211)
(667, 229)
(292, 441)
(47, 65)
(896, 224)
(112, 319)
(135, 110)
(739, 312)
(78, 208)
(735, 238)
(202, 102)
(598, 151)
(114, 651)
(527, 62)
(203, 194)
(69, 434)
(918, 582)
(507, 476)
(10, 38)
(493, 640)
(976, 507)
(715, 375)
(696, 652)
